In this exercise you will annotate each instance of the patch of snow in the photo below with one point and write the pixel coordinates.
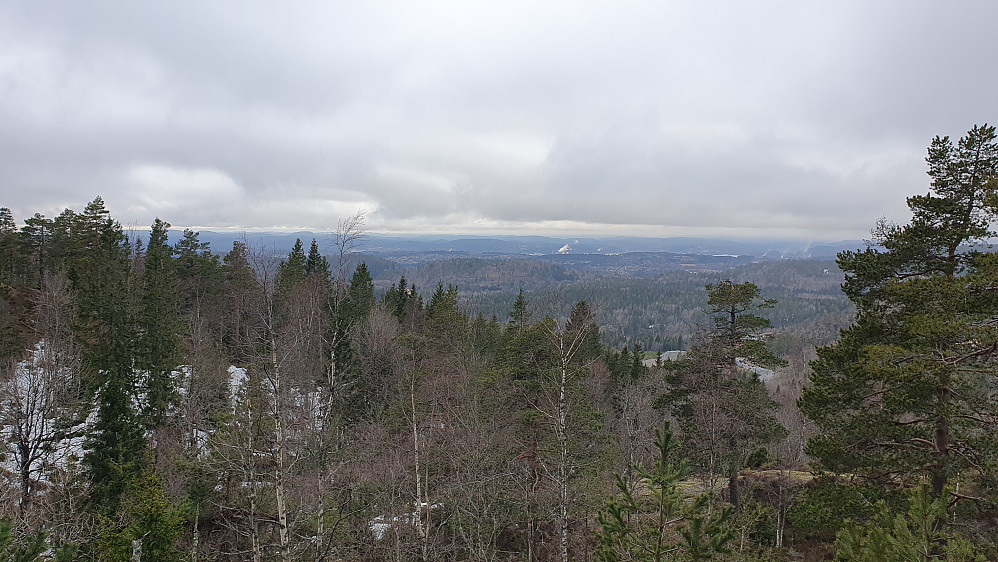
(764, 374)
(380, 524)
(34, 413)
(237, 378)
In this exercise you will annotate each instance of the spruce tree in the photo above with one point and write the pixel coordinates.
(9, 247)
(291, 272)
(445, 322)
(518, 316)
(241, 300)
(101, 278)
(36, 236)
(360, 295)
(402, 300)
(160, 348)
(316, 263)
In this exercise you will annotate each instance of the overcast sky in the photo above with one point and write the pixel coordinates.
(763, 119)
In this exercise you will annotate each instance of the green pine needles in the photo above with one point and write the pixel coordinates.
(650, 520)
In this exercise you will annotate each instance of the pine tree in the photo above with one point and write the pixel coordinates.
(919, 534)
(738, 332)
(199, 274)
(36, 236)
(241, 298)
(905, 392)
(724, 414)
(66, 242)
(657, 523)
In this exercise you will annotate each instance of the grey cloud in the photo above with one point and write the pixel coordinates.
(653, 116)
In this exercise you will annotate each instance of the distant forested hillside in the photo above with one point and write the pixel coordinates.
(658, 313)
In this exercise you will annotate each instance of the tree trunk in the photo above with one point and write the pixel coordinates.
(563, 461)
(254, 531)
(282, 512)
(733, 489)
(424, 538)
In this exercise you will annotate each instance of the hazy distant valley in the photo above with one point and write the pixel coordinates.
(648, 291)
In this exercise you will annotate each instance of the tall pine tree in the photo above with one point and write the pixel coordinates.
(724, 412)
(907, 391)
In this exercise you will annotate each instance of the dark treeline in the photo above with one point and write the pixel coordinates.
(162, 401)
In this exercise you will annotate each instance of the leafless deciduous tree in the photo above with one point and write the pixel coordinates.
(41, 393)
(569, 342)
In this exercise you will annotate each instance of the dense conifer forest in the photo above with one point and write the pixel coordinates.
(166, 400)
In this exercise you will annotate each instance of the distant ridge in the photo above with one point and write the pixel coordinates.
(379, 244)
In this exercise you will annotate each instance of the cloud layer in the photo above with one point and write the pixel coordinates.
(766, 119)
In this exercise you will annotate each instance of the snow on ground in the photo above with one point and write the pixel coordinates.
(237, 378)
(62, 446)
(381, 524)
(33, 412)
(764, 374)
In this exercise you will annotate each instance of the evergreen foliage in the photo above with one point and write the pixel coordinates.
(650, 520)
(292, 271)
(106, 327)
(360, 295)
(403, 301)
(724, 412)
(198, 273)
(518, 315)
(445, 321)
(15, 549)
(905, 393)
(159, 346)
(316, 263)
(738, 331)
(9, 250)
(37, 235)
(921, 533)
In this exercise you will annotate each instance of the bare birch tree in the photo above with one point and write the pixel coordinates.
(41, 393)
